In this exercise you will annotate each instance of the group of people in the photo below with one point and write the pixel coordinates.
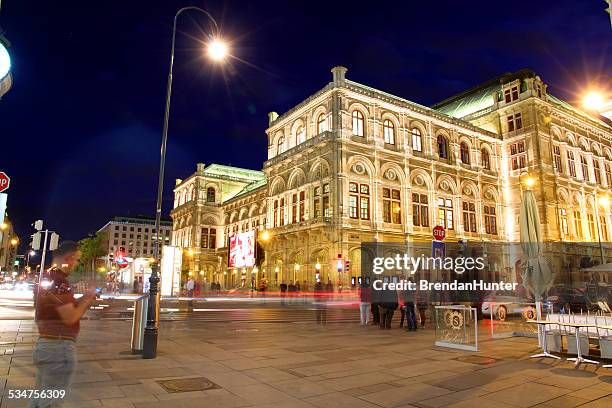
(383, 304)
(194, 288)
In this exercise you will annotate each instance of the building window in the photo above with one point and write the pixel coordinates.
(208, 238)
(490, 220)
(486, 159)
(578, 224)
(417, 140)
(465, 152)
(571, 163)
(281, 220)
(608, 174)
(389, 132)
(584, 164)
(275, 213)
(210, 195)
(469, 216)
(359, 201)
(442, 147)
(357, 123)
(317, 202)
(301, 207)
(321, 123)
(591, 223)
(300, 135)
(294, 208)
(597, 170)
(392, 206)
(563, 222)
(204, 238)
(518, 157)
(515, 122)
(280, 146)
(420, 210)
(557, 159)
(326, 205)
(604, 228)
(445, 213)
(511, 94)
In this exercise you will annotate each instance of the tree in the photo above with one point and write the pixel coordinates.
(91, 249)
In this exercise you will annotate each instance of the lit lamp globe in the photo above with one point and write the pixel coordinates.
(5, 61)
(217, 50)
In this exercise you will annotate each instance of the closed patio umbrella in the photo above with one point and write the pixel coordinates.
(536, 273)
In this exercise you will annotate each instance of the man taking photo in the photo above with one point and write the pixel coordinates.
(58, 315)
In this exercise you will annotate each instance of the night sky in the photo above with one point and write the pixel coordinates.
(81, 127)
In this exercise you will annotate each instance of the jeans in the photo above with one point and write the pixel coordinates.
(364, 312)
(55, 362)
(411, 321)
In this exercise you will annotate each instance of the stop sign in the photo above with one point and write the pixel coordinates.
(439, 233)
(5, 181)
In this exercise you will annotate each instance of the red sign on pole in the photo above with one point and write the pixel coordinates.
(439, 233)
(5, 181)
(122, 263)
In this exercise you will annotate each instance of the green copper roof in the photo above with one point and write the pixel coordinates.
(563, 104)
(474, 102)
(220, 170)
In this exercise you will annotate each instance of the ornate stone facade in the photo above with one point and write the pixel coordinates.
(352, 164)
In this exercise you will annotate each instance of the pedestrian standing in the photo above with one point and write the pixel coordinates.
(411, 323)
(58, 320)
(422, 305)
(283, 292)
(365, 300)
(320, 304)
(190, 286)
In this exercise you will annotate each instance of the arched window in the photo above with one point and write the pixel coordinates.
(193, 194)
(321, 123)
(389, 132)
(465, 152)
(210, 195)
(417, 140)
(280, 145)
(357, 123)
(442, 147)
(300, 135)
(486, 159)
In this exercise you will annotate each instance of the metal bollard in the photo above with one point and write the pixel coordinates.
(139, 321)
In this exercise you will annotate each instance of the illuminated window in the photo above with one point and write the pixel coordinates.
(490, 220)
(420, 210)
(294, 208)
(276, 213)
(465, 152)
(591, 224)
(584, 164)
(578, 224)
(321, 123)
(608, 174)
(359, 201)
(604, 227)
(301, 207)
(445, 213)
(300, 135)
(417, 140)
(208, 238)
(511, 94)
(557, 159)
(317, 202)
(596, 170)
(518, 156)
(486, 159)
(210, 195)
(515, 122)
(469, 216)
(392, 206)
(389, 132)
(442, 147)
(326, 204)
(281, 216)
(571, 163)
(280, 146)
(358, 123)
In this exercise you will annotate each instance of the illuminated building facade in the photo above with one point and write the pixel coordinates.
(353, 164)
(134, 236)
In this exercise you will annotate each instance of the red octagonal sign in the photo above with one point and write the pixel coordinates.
(439, 233)
(5, 181)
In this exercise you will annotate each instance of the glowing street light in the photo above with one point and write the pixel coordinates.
(604, 201)
(217, 50)
(594, 100)
(14, 241)
(265, 236)
(3, 226)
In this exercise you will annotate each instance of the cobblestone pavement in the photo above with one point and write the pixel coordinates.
(302, 365)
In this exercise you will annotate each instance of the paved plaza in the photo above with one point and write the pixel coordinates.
(302, 365)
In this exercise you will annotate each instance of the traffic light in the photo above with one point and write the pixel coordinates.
(36, 241)
(347, 266)
(54, 242)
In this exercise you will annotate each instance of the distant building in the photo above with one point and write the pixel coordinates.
(8, 246)
(135, 235)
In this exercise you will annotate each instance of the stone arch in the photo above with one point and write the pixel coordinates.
(277, 186)
(421, 179)
(233, 217)
(318, 170)
(596, 147)
(563, 195)
(393, 172)
(490, 193)
(556, 134)
(252, 210)
(584, 143)
(294, 127)
(446, 183)
(356, 161)
(577, 199)
(296, 179)
(571, 139)
(470, 189)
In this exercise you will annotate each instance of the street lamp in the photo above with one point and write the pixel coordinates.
(216, 52)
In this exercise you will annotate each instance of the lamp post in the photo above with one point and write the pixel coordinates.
(217, 51)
